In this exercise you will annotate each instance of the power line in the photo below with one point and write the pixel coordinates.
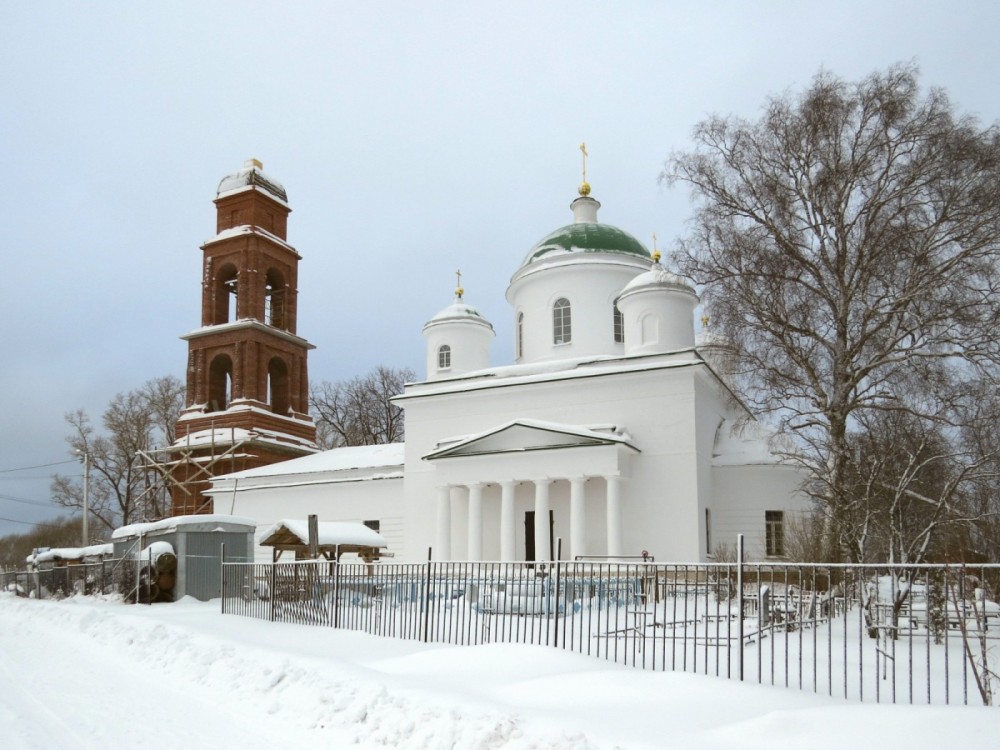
(39, 466)
(26, 501)
(32, 523)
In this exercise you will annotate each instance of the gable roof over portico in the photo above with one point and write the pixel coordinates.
(523, 435)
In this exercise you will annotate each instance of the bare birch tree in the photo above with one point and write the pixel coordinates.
(847, 242)
(121, 489)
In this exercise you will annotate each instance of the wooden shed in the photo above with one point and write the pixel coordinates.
(333, 539)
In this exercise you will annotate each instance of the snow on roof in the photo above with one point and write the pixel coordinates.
(602, 434)
(242, 229)
(458, 311)
(331, 533)
(659, 277)
(540, 372)
(71, 553)
(154, 550)
(175, 522)
(224, 436)
(252, 177)
(242, 324)
(338, 459)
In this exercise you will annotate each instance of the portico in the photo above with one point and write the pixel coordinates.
(534, 456)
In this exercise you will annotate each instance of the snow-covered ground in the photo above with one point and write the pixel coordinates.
(88, 673)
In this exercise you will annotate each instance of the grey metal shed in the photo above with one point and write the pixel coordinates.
(197, 541)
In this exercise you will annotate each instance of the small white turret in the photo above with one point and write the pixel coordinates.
(657, 310)
(458, 340)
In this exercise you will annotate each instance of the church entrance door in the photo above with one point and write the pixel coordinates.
(529, 536)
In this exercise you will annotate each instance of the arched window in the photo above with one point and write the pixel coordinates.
(277, 386)
(444, 357)
(618, 325)
(225, 288)
(562, 330)
(274, 298)
(220, 380)
(520, 335)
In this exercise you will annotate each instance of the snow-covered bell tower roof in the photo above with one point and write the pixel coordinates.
(252, 175)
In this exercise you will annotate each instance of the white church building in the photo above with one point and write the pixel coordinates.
(612, 430)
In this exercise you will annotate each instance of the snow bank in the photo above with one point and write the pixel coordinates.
(228, 681)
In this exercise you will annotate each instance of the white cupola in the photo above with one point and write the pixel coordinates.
(458, 340)
(657, 310)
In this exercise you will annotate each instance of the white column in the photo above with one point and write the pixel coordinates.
(577, 517)
(614, 516)
(542, 530)
(508, 549)
(443, 544)
(476, 521)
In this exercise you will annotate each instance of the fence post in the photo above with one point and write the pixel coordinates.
(739, 601)
(336, 589)
(274, 590)
(222, 576)
(138, 573)
(555, 574)
(427, 596)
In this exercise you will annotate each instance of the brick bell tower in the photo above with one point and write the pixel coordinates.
(247, 383)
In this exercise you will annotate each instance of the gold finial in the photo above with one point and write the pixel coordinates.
(584, 186)
(656, 253)
(704, 321)
(253, 163)
(458, 284)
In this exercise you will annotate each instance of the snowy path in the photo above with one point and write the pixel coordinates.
(62, 687)
(88, 674)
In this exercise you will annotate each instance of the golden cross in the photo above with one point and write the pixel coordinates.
(458, 277)
(583, 149)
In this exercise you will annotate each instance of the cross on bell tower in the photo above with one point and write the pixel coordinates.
(247, 380)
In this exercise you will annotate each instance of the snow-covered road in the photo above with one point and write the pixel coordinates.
(98, 674)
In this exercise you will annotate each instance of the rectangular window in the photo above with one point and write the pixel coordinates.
(708, 531)
(774, 533)
(373, 525)
(619, 326)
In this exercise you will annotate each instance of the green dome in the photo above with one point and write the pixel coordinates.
(587, 237)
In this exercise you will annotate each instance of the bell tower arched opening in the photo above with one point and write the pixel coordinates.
(225, 293)
(278, 386)
(220, 383)
(274, 298)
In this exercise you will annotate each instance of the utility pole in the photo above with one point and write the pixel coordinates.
(86, 495)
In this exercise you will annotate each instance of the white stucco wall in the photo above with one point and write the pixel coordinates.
(368, 500)
(656, 407)
(744, 493)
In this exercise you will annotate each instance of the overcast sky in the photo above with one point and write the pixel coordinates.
(413, 139)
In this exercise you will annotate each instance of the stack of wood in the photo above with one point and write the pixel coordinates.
(158, 575)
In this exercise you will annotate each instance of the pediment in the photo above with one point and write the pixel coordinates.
(528, 435)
